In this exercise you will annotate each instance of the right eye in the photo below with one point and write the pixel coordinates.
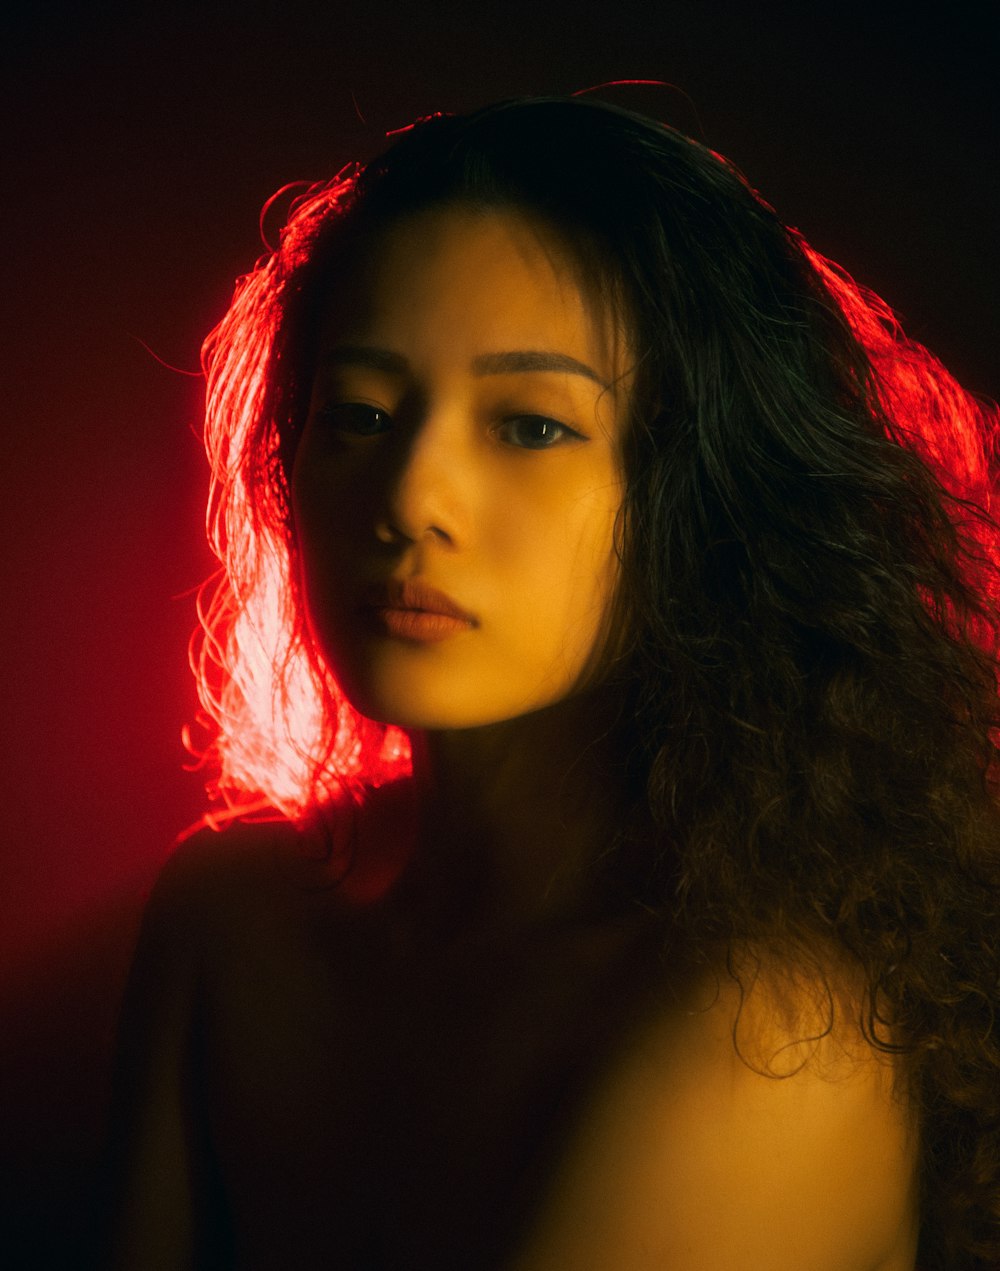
(357, 419)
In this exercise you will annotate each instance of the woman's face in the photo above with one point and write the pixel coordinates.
(456, 487)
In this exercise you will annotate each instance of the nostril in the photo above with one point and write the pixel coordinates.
(388, 533)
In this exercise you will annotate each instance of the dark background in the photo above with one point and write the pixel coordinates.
(139, 144)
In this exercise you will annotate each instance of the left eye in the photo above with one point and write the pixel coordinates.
(535, 432)
(358, 419)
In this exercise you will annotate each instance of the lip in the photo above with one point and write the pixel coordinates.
(411, 609)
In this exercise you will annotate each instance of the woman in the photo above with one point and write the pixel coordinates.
(609, 633)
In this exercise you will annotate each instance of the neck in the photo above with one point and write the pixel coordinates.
(519, 812)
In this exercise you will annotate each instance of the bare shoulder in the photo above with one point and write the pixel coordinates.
(212, 861)
(749, 1125)
(219, 881)
(211, 886)
(207, 981)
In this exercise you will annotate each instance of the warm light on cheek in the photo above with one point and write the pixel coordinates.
(523, 534)
(542, 639)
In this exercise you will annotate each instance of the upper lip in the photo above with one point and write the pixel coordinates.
(413, 593)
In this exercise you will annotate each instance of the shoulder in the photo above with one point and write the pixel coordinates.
(212, 872)
(152, 1163)
(239, 850)
(239, 910)
(206, 878)
(238, 973)
(360, 850)
(750, 1126)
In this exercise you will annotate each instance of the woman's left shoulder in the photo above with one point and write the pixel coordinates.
(751, 1124)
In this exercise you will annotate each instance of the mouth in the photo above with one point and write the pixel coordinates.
(409, 609)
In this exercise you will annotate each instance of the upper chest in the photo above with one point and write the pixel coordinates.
(395, 1102)
(366, 1092)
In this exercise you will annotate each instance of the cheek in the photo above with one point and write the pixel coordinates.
(595, 577)
(560, 575)
(328, 507)
(318, 555)
(324, 499)
(320, 561)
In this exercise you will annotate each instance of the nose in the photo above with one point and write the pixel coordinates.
(429, 483)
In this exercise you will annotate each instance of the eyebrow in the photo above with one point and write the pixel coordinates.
(532, 360)
(513, 363)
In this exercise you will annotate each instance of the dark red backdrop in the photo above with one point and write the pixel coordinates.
(139, 145)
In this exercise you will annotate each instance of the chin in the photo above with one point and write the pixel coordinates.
(436, 712)
(418, 718)
(402, 707)
(412, 695)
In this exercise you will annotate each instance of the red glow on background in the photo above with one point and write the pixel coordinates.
(137, 141)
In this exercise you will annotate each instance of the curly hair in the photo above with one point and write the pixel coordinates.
(809, 589)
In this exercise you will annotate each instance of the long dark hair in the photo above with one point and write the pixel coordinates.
(808, 599)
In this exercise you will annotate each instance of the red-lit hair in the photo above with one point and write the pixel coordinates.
(808, 600)
(284, 737)
(281, 734)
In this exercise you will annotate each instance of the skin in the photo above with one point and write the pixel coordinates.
(447, 472)
(498, 486)
(322, 1016)
(366, 1065)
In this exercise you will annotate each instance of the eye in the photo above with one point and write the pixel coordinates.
(358, 419)
(535, 432)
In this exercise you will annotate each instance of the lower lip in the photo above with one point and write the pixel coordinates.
(419, 625)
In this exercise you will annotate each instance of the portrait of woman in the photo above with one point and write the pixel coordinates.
(602, 872)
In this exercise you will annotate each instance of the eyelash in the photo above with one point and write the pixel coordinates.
(333, 414)
(564, 432)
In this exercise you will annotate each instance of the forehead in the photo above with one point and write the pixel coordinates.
(489, 279)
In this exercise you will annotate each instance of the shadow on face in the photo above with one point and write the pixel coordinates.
(458, 482)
